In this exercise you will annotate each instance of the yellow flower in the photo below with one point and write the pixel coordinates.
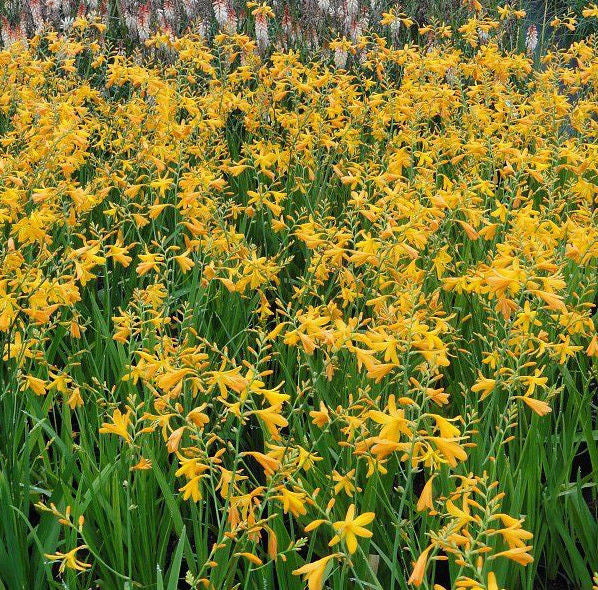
(149, 262)
(441, 261)
(172, 445)
(419, 569)
(260, 9)
(349, 529)
(321, 416)
(272, 419)
(486, 386)
(185, 263)
(293, 502)
(69, 560)
(517, 554)
(75, 400)
(541, 408)
(554, 302)
(197, 417)
(119, 426)
(591, 11)
(314, 524)
(515, 536)
(425, 499)
(592, 349)
(450, 449)
(313, 573)
(533, 381)
(226, 380)
(270, 464)
(394, 423)
(250, 557)
(191, 489)
(344, 482)
(142, 465)
(492, 584)
(119, 253)
(38, 386)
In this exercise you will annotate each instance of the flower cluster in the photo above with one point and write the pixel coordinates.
(311, 24)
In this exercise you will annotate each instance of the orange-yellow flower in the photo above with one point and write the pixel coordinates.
(119, 426)
(419, 569)
(517, 554)
(313, 573)
(425, 499)
(352, 527)
(69, 560)
(541, 408)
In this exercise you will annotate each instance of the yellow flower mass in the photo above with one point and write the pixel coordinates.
(256, 305)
